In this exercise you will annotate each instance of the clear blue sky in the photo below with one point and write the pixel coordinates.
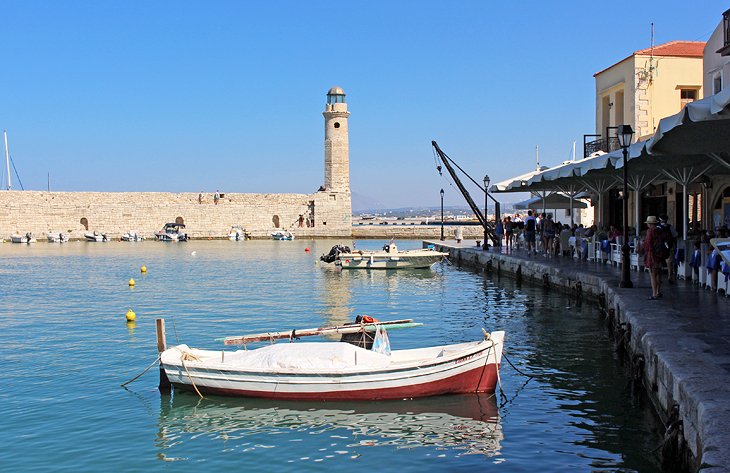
(198, 96)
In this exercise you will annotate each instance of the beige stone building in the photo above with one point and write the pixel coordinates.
(326, 213)
(645, 87)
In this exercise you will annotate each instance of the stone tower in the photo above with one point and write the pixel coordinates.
(336, 145)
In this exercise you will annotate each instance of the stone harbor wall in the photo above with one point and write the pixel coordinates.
(115, 213)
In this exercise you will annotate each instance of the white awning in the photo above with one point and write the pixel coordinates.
(552, 202)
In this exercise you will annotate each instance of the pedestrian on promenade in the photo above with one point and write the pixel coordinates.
(670, 235)
(530, 228)
(652, 257)
(499, 230)
(548, 233)
(509, 232)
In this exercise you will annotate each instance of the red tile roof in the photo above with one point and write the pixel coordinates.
(672, 48)
(676, 48)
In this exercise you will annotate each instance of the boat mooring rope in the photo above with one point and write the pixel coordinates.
(182, 360)
(143, 372)
(513, 366)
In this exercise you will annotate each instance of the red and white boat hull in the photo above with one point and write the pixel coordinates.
(462, 368)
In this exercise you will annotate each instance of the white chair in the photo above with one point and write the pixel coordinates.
(703, 265)
(592, 248)
(616, 254)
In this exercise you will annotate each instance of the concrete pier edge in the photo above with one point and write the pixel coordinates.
(684, 384)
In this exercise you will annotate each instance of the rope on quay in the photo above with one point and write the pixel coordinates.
(143, 372)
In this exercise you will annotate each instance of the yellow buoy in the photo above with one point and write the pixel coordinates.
(131, 315)
(131, 282)
(143, 269)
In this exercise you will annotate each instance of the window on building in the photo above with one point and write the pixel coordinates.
(717, 84)
(686, 96)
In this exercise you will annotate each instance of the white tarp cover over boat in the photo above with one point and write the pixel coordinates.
(305, 356)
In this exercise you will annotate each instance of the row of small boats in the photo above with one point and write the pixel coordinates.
(171, 232)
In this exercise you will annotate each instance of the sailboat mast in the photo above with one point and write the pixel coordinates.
(7, 157)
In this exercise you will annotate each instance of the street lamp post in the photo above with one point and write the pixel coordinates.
(624, 134)
(486, 196)
(442, 214)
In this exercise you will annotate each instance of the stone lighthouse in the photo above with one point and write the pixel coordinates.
(336, 146)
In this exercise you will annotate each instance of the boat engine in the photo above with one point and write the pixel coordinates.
(334, 253)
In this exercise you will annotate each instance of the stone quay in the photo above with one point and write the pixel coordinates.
(679, 346)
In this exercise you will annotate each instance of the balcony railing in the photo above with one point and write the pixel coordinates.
(598, 143)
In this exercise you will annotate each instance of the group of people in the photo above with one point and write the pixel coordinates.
(216, 197)
(539, 233)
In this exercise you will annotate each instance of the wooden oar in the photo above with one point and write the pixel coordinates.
(306, 332)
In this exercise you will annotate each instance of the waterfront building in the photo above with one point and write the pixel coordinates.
(716, 79)
(643, 88)
(679, 153)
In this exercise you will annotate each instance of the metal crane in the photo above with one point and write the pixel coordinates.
(488, 229)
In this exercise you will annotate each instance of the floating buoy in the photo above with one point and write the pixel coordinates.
(131, 316)
(306, 250)
(143, 269)
(131, 282)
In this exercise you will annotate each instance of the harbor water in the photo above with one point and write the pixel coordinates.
(66, 348)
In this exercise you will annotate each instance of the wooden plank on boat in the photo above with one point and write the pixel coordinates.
(351, 328)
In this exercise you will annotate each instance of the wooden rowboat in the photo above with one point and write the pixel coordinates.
(336, 371)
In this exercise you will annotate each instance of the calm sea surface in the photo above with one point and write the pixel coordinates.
(65, 349)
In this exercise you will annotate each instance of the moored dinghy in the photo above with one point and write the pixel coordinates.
(238, 233)
(390, 257)
(95, 236)
(172, 232)
(132, 236)
(336, 370)
(27, 238)
(282, 235)
(58, 237)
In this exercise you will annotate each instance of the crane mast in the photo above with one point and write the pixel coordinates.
(489, 230)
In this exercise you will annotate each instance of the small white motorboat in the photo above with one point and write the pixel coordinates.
(336, 371)
(282, 235)
(95, 236)
(27, 238)
(58, 237)
(388, 258)
(172, 232)
(132, 236)
(238, 233)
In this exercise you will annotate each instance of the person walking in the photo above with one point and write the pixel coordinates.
(509, 232)
(670, 235)
(652, 256)
(530, 228)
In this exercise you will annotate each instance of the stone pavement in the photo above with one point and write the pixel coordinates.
(681, 342)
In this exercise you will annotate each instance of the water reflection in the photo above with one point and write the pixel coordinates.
(467, 424)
